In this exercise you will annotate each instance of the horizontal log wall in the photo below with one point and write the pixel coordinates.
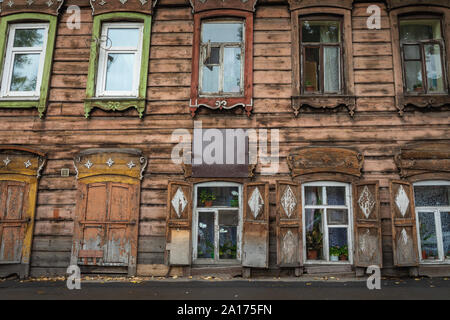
(376, 129)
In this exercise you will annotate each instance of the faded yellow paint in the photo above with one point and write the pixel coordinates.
(32, 182)
(110, 178)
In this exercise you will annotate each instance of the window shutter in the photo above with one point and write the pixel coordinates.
(255, 246)
(366, 213)
(289, 224)
(404, 233)
(179, 216)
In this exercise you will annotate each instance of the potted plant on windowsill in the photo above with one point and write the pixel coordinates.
(314, 244)
(343, 253)
(207, 198)
(234, 202)
(418, 87)
(309, 86)
(334, 253)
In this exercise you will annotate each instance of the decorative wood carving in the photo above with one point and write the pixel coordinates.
(325, 160)
(21, 161)
(301, 4)
(423, 158)
(124, 162)
(22, 6)
(105, 6)
(324, 102)
(394, 4)
(203, 5)
(187, 170)
(422, 102)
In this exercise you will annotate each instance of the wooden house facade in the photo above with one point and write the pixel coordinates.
(352, 95)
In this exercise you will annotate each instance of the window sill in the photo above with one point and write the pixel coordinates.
(221, 102)
(423, 101)
(114, 104)
(24, 103)
(320, 101)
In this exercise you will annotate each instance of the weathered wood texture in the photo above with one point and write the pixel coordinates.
(376, 130)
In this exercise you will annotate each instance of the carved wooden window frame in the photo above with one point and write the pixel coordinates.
(40, 102)
(123, 102)
(347, 96)
(425, 100)
(223, 101)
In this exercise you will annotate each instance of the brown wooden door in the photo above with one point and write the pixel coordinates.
(107, 224)
(255, 238)
(13, 220)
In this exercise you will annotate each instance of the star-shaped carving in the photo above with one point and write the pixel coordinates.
(27, 164)
(6, 161)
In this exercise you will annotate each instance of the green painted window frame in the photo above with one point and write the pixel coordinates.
(118, 104)
(41, 103)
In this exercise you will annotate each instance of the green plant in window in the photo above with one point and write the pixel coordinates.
(335, 251)
(206, 198)
(234, 202)
(228, 250)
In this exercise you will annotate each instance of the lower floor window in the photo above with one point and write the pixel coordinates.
(217, 224)
(327, 222)
(432, 201)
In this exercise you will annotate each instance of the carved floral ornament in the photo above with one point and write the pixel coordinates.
(104, 6)
(40, 6)
(15, 161)
(124, 162)
(325, 160)
(203, 5)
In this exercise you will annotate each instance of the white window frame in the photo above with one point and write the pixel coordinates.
(11, 51)
(222, 46)
(348, 206)
(437, 220)
(215, 210)
(103, 61)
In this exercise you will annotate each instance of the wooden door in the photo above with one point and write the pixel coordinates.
(255, 238)
(107, 225)
(13, 220)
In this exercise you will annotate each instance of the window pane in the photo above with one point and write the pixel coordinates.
(337, 216)
(232, 70)
(311, 72)
(314, 234)
(430, 196)
(313, 195)
(222, 32)
(412, 52)
(336, 196)
(228, 221)
(435, 77)
(445, 222)
(214, 57)
(123, 37)
(337, 239)
(119, 72)
(321, 31)
(29, 38)
(25, 72)
(210, 81)
(205, 244)
(428, 235)
(414, 76)
(421, 29)
(218, 196)
(331, 63)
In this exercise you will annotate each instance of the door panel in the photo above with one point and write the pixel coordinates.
(11, 244)
(96, 202)
(120, 207)
(117, 245)
(14, 202)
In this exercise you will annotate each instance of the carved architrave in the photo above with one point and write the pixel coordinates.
(220, 104)
(394, 4)
(301, 4)
(325, 160)
(124, 162)
(423, 158)
(187, 170)
(422, 102)
(23, 161)
(106, 6)
(203, 5)
(38, 6)
(325, 102)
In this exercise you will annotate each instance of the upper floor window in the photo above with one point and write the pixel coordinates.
(120, 55)
(321, 56)
(24, 60)
(222, 58)
(422, 52)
